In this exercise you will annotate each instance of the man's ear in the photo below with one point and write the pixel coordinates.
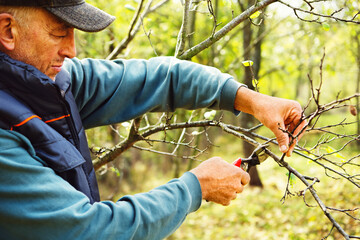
(7, 30)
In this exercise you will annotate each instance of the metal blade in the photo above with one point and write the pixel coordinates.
(260, 153)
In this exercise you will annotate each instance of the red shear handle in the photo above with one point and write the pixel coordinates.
(237, 162)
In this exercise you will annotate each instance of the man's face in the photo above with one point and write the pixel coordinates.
(45, 43)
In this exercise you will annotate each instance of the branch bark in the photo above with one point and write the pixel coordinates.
(181, 40)
(310, 187)
(313, 13)
(224, 30)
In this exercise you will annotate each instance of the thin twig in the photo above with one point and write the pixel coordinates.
(312, 13)
(135, 26)
(130, 34)
(224, 30)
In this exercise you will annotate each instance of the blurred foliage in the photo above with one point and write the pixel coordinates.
(291, 50)
(259, 214)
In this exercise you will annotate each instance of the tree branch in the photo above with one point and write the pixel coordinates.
(135, 26)
(224, 30)
(181, 40)
(310, 12)
(309, 186)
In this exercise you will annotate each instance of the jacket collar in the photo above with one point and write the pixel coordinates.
(26, 78)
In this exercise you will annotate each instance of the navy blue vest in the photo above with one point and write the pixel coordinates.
(45, 112)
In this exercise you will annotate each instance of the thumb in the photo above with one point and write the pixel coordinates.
(282, 138)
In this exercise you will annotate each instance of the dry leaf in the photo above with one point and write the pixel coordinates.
(353, 110)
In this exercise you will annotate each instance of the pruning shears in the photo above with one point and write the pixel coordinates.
(255, 158)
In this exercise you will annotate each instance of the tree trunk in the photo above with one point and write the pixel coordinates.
(246, 119)
(192, 28)
(358, 86)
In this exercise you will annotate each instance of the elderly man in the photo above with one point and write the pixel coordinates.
(48, 187)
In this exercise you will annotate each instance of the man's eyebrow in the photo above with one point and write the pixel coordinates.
(62, 27)
(59, 27)
(60, 21)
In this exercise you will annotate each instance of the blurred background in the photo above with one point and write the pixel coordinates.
(285, 52)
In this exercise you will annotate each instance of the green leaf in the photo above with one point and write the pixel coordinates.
(255, 82)
(247, 63)
(292, 178)
(96, 149)
(116, 171)
(255, 14)
(326, 26)
(333, 152)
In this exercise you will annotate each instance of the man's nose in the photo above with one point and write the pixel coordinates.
(68, 48)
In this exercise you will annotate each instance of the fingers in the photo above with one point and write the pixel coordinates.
(239, 189)
(220, 181)
(245, 179)
(290, 128)
(282, 137)
(226, 199)
(298, 135)
(278, 114)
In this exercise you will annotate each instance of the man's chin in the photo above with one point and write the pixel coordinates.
(52, 77)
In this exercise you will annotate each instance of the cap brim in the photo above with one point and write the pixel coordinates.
(84, 17)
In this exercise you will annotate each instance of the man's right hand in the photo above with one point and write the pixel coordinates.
(277, 114)
(220, 181)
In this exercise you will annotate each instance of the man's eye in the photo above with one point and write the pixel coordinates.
(59, 35)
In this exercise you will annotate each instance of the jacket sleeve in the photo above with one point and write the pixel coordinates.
(35, 202)
(115, 91)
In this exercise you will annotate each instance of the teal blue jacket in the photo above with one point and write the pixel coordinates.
(35, 203)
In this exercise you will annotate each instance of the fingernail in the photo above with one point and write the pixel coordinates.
(283, 148)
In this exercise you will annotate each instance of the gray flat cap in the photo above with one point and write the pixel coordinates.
(76, 13)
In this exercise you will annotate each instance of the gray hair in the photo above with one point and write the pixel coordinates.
(20, 14)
